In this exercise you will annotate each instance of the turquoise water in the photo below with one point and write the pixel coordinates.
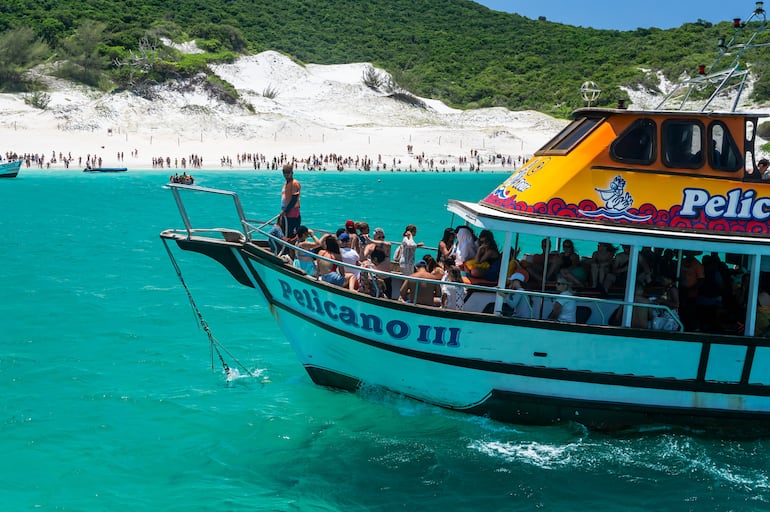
(109, 400)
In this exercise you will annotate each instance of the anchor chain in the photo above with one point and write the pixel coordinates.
(214, 344)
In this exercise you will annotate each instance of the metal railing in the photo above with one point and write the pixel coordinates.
(255, 227)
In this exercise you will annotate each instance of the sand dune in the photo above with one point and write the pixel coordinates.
(316, 110)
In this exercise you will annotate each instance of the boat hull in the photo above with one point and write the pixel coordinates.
(105, 169)
(513, 370)
(10, 169)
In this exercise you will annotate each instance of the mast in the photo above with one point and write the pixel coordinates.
(750, 34)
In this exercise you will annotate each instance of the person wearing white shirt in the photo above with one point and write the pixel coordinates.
(564, 307)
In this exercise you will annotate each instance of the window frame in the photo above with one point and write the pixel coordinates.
(654, 142)
(664, 144)
(571, 136)
(731, 142)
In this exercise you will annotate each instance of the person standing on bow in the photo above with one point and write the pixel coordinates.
(290, 218)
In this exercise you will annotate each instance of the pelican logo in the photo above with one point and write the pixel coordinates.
(616, 203)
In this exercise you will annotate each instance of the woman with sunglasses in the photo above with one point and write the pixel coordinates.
(564, 306)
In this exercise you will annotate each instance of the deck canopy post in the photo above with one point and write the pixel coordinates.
(755, 263)
(633, 260)
(503, 276)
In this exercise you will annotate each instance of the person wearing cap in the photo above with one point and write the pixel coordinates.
(352, 258)
(350, 229)
(427, 294)
(290, 217)
(515, 282)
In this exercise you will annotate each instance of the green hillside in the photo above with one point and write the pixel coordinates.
(454, 50)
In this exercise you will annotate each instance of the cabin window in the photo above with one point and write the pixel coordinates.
(569, 137)
(636, 145)
(724, 154)
(683, 143)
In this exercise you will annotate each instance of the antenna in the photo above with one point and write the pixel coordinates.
(747, 35)
(590, 92)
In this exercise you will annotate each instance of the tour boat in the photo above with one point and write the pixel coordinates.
(10, 169)
(677, 181)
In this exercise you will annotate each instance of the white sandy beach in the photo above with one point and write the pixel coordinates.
(317, 110)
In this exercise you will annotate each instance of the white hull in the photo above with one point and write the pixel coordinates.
(524, 371)
(10, 169)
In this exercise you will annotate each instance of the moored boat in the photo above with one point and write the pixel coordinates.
(105, 169)
(10, 169)
(677, 182)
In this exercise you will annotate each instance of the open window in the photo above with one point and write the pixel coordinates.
(724, 154)
(636, 145)
(683, 143)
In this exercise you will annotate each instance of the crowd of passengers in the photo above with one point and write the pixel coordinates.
(704, 294)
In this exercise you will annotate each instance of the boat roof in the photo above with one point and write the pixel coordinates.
(603, 111)
(486, 217)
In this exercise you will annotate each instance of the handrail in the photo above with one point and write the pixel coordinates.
(489, 289)
(251, 226)
(177, 187)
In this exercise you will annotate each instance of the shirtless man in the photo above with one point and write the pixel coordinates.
(290, 218)
(428, 294)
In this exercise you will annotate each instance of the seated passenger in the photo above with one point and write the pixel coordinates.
(350, 229)
(486, 264)
(452, 295)
(370, 283)
(514, 300)
(664, 320)
(350, 257)
(427, 294)
(564, 307)
(641, 316)
(363, 237)
(302, 260)
(536, 267)
(379, 243)
(571, 267)
(275, 246)
(618, 269)
(465, 248)
(328, 271)
(432, 267)
(514, 265)
(445, 247)
(600, 263)
(645, 270)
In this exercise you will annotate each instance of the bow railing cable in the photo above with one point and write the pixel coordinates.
(214, 344)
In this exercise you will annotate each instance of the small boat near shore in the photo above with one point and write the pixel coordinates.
(663, 182)
(10, 169)
(105, 169)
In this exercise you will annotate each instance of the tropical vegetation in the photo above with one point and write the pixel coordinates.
(454, 50)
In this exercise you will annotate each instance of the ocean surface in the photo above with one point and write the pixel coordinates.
(111, 399)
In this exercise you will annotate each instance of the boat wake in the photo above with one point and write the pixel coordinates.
(233, 375)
